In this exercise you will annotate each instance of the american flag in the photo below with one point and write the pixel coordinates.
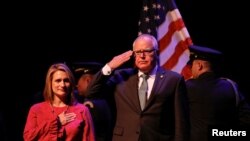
(162, 19)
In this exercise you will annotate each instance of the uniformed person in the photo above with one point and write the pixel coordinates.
(99, 108)
(214, 102)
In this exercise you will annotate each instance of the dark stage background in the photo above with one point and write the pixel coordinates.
(39, 34)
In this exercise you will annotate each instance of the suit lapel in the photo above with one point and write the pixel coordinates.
(132, 93)
(159, 80)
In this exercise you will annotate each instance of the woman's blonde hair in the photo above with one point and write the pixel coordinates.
(48, 93)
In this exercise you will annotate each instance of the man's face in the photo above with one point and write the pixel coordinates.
(83, 83)
(197, 68)
(145, 55)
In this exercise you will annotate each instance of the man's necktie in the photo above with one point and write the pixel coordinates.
(143, 91)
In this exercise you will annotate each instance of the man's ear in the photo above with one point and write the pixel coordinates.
(88, 79)
(200, 65)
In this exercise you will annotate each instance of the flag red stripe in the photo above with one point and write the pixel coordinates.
(179, 49)
(173, 26)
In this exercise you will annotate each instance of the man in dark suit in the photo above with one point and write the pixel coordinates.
(98, 106)
(163, 116)
(214, 102)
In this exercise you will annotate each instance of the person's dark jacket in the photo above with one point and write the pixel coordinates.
(164, 116)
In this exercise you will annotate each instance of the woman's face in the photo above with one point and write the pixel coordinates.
(60, 84)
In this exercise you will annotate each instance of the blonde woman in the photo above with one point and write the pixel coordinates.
(59, 117)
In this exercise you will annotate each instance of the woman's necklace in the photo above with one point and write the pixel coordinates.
(53, 109)
(59, 124)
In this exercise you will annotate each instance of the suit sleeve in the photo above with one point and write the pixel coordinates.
(101, 85)
(181, 112)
